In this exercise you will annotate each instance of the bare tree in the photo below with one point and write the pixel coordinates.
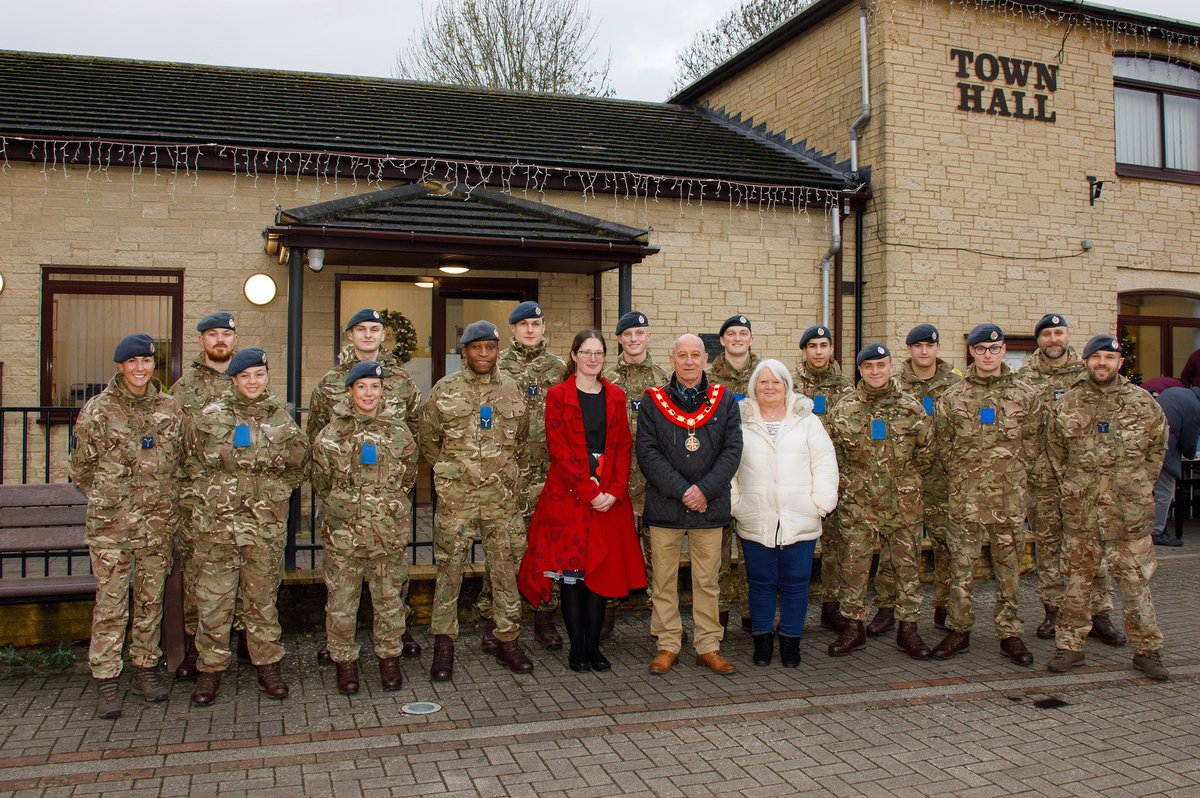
(526, 45)
(751, 20)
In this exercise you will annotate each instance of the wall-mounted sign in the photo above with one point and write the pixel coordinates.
(1004, 86)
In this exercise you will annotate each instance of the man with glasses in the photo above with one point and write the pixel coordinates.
(989, 428)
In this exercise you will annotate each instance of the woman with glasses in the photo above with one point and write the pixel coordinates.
(582, 533)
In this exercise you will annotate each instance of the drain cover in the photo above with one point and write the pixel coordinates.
(421, 708)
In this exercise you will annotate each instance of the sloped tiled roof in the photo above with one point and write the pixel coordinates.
(57, 96)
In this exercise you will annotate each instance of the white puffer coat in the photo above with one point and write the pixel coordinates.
(783, 488)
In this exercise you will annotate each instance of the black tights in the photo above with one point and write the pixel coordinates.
(583, 615)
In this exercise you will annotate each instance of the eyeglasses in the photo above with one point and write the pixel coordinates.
(585, 353)
(994, 349)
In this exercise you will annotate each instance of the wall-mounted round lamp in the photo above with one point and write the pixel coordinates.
(316, 259)
(2, 284)
(259, 289)
(425, 282)
(452, 264)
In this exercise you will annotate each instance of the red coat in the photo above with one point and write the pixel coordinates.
(566, 533)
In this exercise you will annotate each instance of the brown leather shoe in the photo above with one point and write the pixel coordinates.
(610, 621)
(1104, 631)
(852, 638)
(952, 644)
(207, 687)
(883, 621)
(442, 669)
(323, 655)
(908, 640)
(487, 636)
(1045, 630)
(663, 662)
(1063, 660)
(939, 618)
(243, 648)
(409, 647)
(715, 663)
(271, 681)
(831, 618)
(389, 673)
(347, 677)
(187, 667)
(512, 656)
(545, 632)
(1014, 648)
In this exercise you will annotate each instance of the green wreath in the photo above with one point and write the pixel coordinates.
(402, 332)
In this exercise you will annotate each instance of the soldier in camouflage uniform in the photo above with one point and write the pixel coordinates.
(243, 457)
(1052, 369)
(989, 429)
(367, 336)
(634, 372)
(884, 443)
(203, 381)
(473, 431)
(1106, 443)
(926, 377)
(819, 377)
(733, 368)
(531, 366)
(364, 466)
(127, 448)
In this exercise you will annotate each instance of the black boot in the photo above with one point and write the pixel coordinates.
(570, 601)
(593, 623)
(764, 647)
(789, 651)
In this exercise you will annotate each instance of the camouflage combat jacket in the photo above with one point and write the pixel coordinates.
(200, 385)
(1052, 382)
(239, 494)
(635, 379)
(126, 456)
(1106, 446)
(722, 373)
(366, 509)
(884, 444)
(398, 389)
(829, 383)
(989, 430)
(476, 468)
(934, 490)
(535, 370)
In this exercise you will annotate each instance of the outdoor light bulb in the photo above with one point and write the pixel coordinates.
(1, 283)
(454, 269)
(316, 259)
(259, 289)
(424, 284)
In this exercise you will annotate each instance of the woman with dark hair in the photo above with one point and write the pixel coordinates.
(582, 532)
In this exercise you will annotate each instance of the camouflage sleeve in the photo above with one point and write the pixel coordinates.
(429, 431)
(523, 442)
(411, 408)
(943, 433)
(318, 413)
(409, 455)
(1158, 434)
(1033, 433)
(1056, 443)
(322, 470)
(926, 451)
(296, 462)
(85, 455)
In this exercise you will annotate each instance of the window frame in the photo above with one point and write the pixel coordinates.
(1159, 90)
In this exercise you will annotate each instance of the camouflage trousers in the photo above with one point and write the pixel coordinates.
(899, 552)
(1005, 542)
(1045, 518)
(503, 548)
(115, 569)
(833, 553)
(483, 603)
(731, 583)
(228, 572)
(189, 572)
(1132, 563)
(937, 529)
(387, 577)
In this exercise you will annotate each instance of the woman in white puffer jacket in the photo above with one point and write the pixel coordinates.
(786, 483)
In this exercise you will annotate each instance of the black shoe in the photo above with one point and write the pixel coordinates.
(1163, 539)
(764, 647)
(789, 651)
(578, 662)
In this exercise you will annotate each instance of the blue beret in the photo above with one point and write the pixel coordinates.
(872, 352)
(366, 314)
(630, 320)
(735, 321)
(245, 359)
(986, 333)
(136, 345)
(1101, 343)
(219, 320)
(815, 331)
(365, 368)
(922, 334)
(1048, 321)
(526, 310)
(479, 331)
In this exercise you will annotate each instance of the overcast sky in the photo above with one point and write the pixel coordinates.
(360, 37)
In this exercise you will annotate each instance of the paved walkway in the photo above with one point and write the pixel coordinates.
(872, 724)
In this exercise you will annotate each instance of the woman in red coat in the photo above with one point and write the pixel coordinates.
(582, 531)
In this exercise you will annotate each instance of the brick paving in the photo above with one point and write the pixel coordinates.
(872, 724)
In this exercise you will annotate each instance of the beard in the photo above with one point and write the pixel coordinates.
(1054, 351)
(219, 357)
(1104, 383)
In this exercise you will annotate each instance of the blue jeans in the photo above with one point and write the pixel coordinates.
(781, 573)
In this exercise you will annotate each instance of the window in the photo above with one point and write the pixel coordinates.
(1159, 331)
(1157, 117)
(86, 312)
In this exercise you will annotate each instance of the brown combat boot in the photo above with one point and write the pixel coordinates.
(271, 681)
(939, 618)
(1104, 631)
(610, 621)
(487, 636)
(323, 655)
(187, 668)
(1151, 664)
(852, 638)
(908, 640)
(1014, 648)
(409, 647)
(1045, 630)
(108, 703)
(512, 656)
(389, 673)
(831, 618)
(207, 686)
(442, 669)
(883, 621)
(545, 632)
(145, 681)
(1063, 660)
(953, 643)
(347, 677)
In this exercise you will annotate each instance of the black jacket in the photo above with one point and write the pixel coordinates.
(671, 469)
(1182, 408)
